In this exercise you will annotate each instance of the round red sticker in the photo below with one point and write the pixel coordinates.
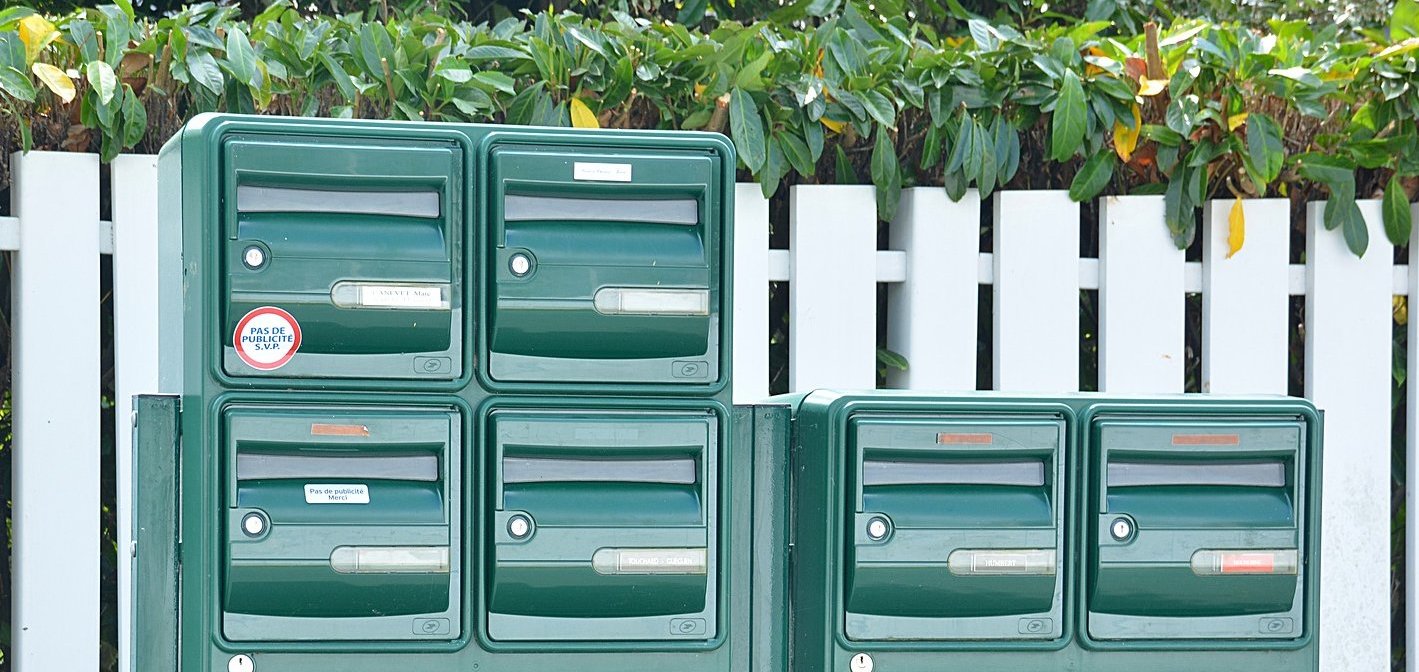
(266, 338)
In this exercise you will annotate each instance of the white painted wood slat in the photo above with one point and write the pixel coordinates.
(931, 318)
(135, 336)
(751, 294)
(833, 289)
(1036, 291)
(1244, 299)
(1141, 308)
(1348, 359)
(55, 612)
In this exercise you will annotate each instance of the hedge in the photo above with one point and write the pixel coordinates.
(1193, 111)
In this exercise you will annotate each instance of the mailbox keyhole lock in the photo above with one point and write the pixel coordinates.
(253, 257)
(520, 264)
(860, 663)
(241, 663)
(878, 528)
(1122, 529)
(519, 527)
(254, 524)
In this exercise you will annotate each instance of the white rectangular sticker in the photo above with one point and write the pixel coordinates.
(602, 172)
(400, 296)
(337, 493)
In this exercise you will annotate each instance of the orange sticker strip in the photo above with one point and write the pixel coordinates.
(1207, 439)
(319, 429)
(1248, 563)
(971, 439)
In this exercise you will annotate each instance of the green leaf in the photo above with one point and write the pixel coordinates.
(241, 59)
(1092, 177)
(82, 34)
(16, 84)
(1404, 22)
(102, 79)
(891, 360)
(965, 136)
(692, 12)
(987, 168)
(204, 69)
(497, 80)
(842, 168)
(340, 77)
(886, 175)
(135, 117)
(1357, 232)
(1264, 147)
(1398, 215)
(796, 151)
(880, 108)
(955, 184)
(1067, 126)
(746, 126)
(775, 167)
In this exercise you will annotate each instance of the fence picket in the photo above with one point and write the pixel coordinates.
(751, 294)
(135, 338)
(1244, 299)
(56, 421)
(931, 318)
(833, 287)
(1141, 309)
(1348, 359)
(1036, 261)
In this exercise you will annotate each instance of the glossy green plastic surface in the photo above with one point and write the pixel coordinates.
(341, 205)
(1161, 620)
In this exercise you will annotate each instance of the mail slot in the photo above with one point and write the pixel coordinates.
(343, 514)
(956, 528)
(342, 257)
(1198, 528)
(603, 525)
(608, 265)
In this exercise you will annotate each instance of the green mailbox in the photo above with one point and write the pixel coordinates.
(608, 262)
(1198, 528)
(449, 397)
(342, 256)
(999, 533)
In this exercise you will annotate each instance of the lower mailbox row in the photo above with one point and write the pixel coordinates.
(938, 528)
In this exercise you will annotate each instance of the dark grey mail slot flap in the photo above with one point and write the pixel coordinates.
(1027, 473)
(678, 471)
(260, 466)
(652, 211)
(333, 201)
(1253, 474)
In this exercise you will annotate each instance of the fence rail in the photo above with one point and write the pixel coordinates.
(934, 271)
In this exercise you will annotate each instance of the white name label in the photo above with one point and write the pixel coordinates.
(602, 172)
(337, 493)
(400, 296)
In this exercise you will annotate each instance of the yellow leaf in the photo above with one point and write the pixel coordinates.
(834, 126)
(1151, 87)
(55, 79)
(1236, 228)
(1236, 120)
(36, 33)
(1401, 310)
(699, 91)
(1125, 138)
(582, 117)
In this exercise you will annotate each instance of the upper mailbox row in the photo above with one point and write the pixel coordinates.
(361, 258)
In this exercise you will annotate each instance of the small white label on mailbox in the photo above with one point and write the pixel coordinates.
(602, 172)
(400, 296)
(337, 493)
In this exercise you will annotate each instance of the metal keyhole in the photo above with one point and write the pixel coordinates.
(241, 663)
(860, 663)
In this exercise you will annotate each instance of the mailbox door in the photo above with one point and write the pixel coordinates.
(342, 258)
(1198, 529)
(956, 528)
(606, 265)
(603, 526)
(341, 524)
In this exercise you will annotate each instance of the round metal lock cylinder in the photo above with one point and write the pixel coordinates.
(877, 529)
(520, 264)
(519, 526)
(253, 524)
(241, 663)
(1121, 529)
(254, 257)
(860, 663)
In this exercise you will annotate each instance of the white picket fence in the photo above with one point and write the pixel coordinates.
(934, 271)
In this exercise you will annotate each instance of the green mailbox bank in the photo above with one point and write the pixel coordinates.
(447, 397)
(1000, 533)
